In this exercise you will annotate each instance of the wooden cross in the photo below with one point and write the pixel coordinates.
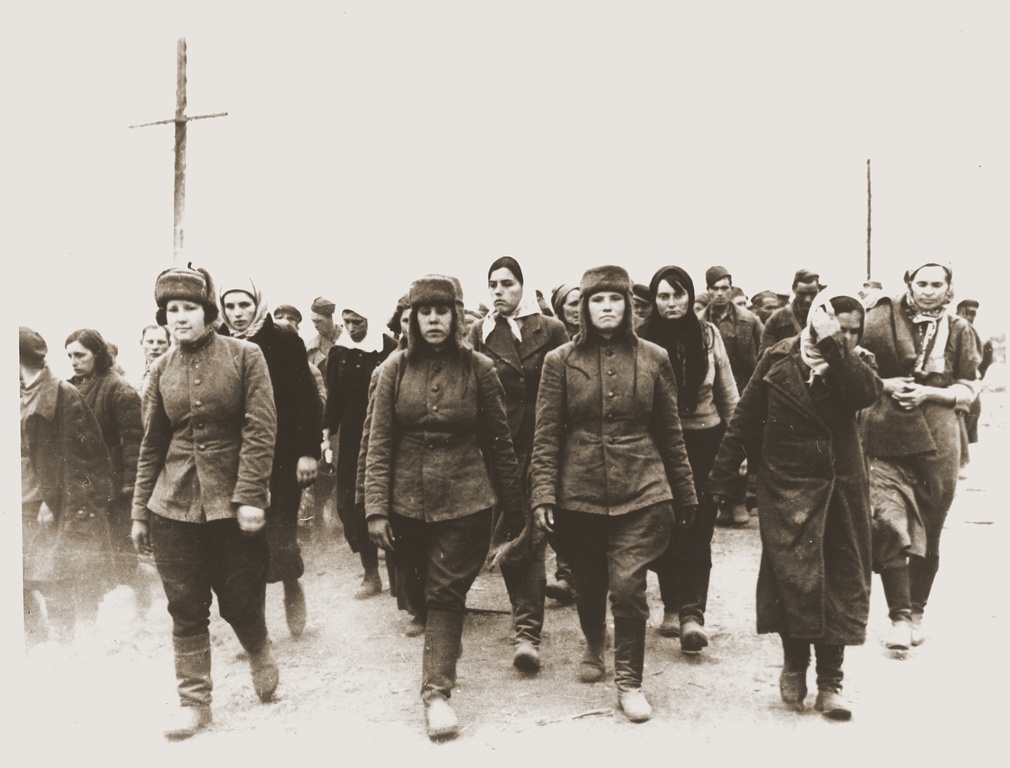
(180, 120)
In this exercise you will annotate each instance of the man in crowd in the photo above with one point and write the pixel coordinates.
(968, 309)
(740, 330)
(154, 342)
(327, 332)
(792, 318)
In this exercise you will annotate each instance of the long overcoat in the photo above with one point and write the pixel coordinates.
(62, 444)
(803, 440)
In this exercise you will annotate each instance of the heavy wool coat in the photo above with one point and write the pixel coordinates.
(210, 424)
(608, 438)
(741, 332)
(62, 446)
(116, 406)
(803, 441)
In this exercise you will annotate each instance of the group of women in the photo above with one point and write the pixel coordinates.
(616, 442)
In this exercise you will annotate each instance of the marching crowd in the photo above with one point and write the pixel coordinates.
(615, 422)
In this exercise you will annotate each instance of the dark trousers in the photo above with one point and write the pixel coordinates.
(195, 560)
(526, 582)
(686, 565)
(796, 658)
(282, 527)
(440, 560)
(612, 553)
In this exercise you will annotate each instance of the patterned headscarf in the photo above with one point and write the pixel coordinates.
(259, 317)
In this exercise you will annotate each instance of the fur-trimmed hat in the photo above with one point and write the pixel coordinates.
(606, 278)
(184, 284)
(431, 290)
(32, 348)
(714, 274)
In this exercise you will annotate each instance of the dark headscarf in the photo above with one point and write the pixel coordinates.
(683, 339)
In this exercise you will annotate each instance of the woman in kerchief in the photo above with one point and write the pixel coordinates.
(796, 424)
(296, 453)
(928, 361)
(203, 486)
(352, 359)
(565, 301)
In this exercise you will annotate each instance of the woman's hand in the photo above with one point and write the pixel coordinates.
(823, 321)
(140, 534)
(893, 386)
(913, 395)
(46, 516)
(306, 471)
(543, 518)
(380, 532)
(250, 519)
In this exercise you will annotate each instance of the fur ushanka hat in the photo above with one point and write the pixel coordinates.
(437, 290)
(606, 278)
(185, 284)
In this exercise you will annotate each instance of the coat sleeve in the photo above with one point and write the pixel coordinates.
(558, 335)
(496, 442)
(87, 480)
(331, 406)
(154, 445)
(382, 440)
(745, 433)
(131, 432)
(548, 433)
(311, 408)
(724, 390)
(259, 432)
(669, 436)
(856, 384)
(359, 480)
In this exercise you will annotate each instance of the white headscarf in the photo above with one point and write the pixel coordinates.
(373, 340)
(261, 308)
(527, 307)
(809, 351)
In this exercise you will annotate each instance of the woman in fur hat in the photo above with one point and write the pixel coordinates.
(203, 485)
(611, 476)
(296, 452)
(440, 457)
(706, 398)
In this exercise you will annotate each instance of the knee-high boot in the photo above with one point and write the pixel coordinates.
(442, 636)
(793, 680)
(896, 591)
(829, 682)
(192, 672)
(629, 662)
(921, 573)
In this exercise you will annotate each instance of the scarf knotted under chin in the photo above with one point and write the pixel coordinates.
(526, 308)
(259, 317)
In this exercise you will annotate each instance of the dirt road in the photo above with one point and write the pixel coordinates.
(349, 685)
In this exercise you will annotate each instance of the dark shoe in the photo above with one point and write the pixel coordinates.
(793, 688)
(414, 628)
(371, 586)
(899, 636)
(671, 625)
(592, 668)
(832, 705)
(187, 721)
(441, 721)
(526, 658)
(294, 607)
(634, 704)
(918, 635)
(265, 674)
(692, 636)
(561, 591)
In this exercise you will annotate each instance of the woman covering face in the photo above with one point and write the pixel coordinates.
(796, 426)
(610, 474)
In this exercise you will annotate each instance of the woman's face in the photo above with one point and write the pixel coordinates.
(929, 287)
(435, 323)
(239, 309)
(186, 320)
(154, 344)
(506, 291)
(850, 323)
(82, 359)
(571, 308)
(671, 300)
(606, 311)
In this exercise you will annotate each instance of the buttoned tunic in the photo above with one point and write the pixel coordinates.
(608, 437)
(210, 426)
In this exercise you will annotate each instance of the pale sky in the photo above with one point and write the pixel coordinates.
(369, 143)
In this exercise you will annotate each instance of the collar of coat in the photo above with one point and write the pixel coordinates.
(526, 308)
(44, 403)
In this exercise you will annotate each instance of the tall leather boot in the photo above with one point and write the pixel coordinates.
(896, 591)
(694, 579)
(371, 583)
(793, 680)
(526, 583)
(442, 639)
(629, 661)
(830, 701)
(265, 675)
(921, 573)
(192, 671)
(591, 606)
(294, 607)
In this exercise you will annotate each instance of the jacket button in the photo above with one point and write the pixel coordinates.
(198, 403)
(611, 440)
(611, 372)
(200, 425)
(202, 447)
(610, 393)
(434, 407)
(435, 388)
(196, 381)
(522, 380)
(610, 415)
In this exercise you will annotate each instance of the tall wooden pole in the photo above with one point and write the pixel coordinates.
(180, 120)
(869, 200)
